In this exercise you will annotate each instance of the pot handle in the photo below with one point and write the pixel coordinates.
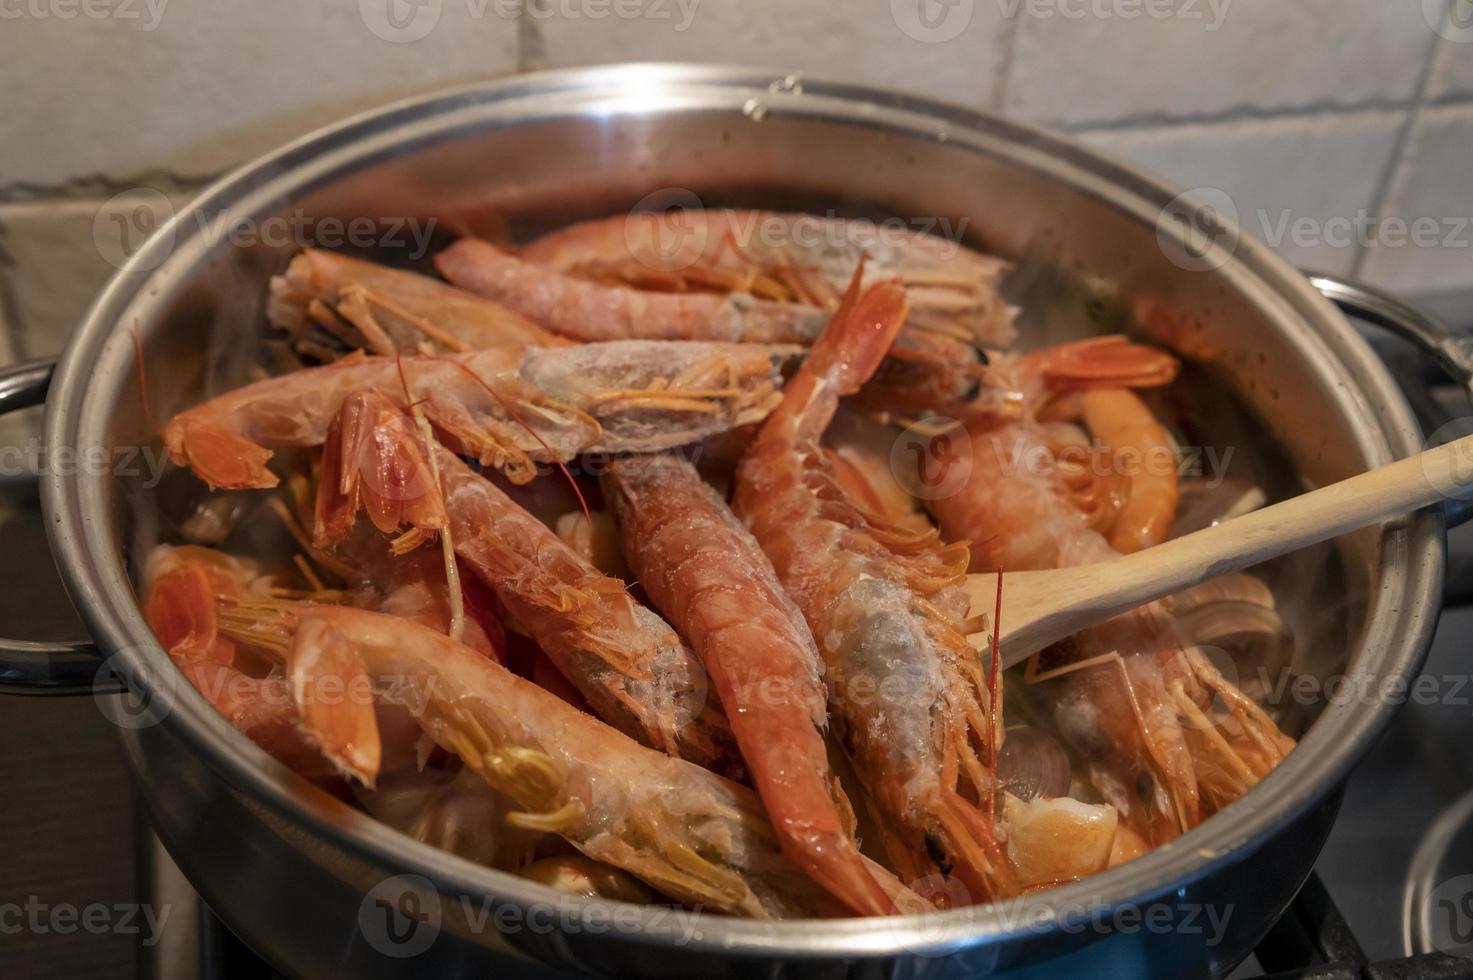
(1452, 351)
(27, 666)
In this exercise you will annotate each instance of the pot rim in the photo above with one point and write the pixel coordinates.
(1395, 637)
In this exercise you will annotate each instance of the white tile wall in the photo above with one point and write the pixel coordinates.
(1290, 178)
(1452, 73)
(1294, 107)
(1212, 58)
(879, 42)
(196, 85)
(55, 256)
(1425, 240)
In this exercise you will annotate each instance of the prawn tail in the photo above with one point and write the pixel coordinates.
(863, 885)
(344, 726)
(1105, 362)
(330, 686)
(860, 334)
(222, 458)
(180, 609)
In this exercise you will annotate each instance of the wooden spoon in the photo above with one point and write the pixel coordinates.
(1043, 607)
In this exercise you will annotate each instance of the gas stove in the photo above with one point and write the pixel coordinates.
(1392, 894)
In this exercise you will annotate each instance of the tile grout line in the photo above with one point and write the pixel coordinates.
(531, 54)
(9, 309)
(1400, 149)
(1003, 74)
(1246, 113)
(92, 186)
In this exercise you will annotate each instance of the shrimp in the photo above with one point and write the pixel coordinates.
(1118, 716)
(331, 305)
(1127, 684)
(624, 659)
(182, 587)
(595, 536)
(685, 831)
(508, 407)
(861, 450)
(706, 573)
(627, 662)
(1028, 384)
(185, 586)
(927, 368)
(907, 695)
(799, 258)
(414, 587)
(592, 312)
(1130, 480)
(1123, 423)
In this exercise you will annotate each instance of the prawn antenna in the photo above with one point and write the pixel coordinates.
(562, 467)
(142, 377)
(993, 682)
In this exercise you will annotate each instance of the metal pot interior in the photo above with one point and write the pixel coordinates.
(1311, 405)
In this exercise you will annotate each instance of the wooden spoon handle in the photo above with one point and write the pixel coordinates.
(1048, 606)
(1310, 518)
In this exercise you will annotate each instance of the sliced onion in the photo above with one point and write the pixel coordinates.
(1242, 588)
(1255, 639)
(1235, 614)
(1033, 764)
(1205, 502)
(457, 813)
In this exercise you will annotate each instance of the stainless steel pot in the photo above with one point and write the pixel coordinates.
(320, 889)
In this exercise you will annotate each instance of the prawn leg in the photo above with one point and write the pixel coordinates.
(798, 258)
(907, 695)
(183, 590)
(707, 574)
(332, 304)
(626, 661)
(510, 407)
(687, 832)
(929, 368)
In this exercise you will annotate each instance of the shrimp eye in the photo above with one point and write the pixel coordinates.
(936, 852)
(1144, 785)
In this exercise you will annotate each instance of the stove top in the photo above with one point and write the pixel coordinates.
(1392, 895)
